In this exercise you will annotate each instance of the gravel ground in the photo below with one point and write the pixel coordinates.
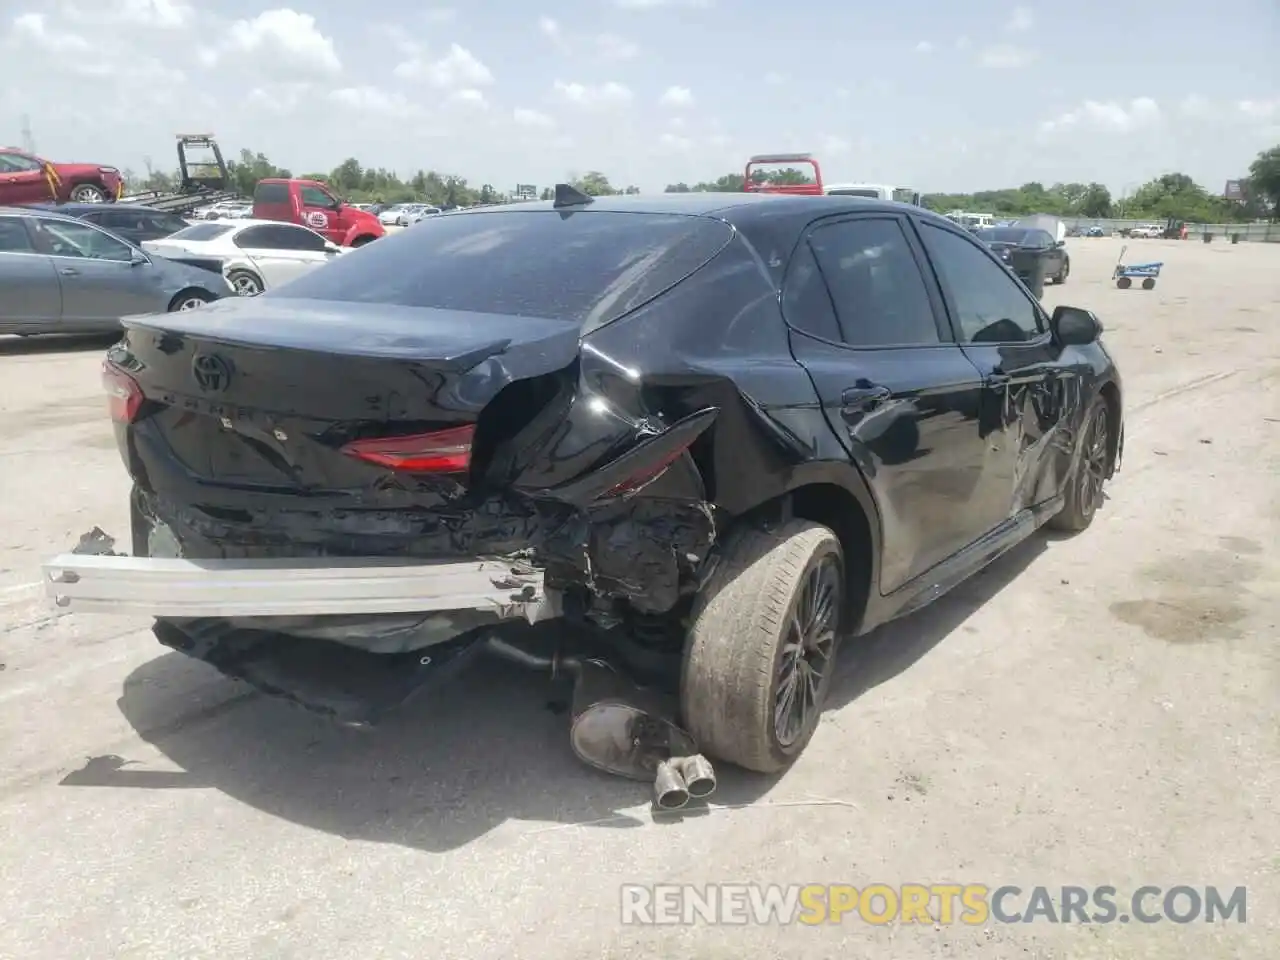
(1095, 710)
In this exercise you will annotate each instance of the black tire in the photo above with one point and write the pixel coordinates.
(187, 300)
(1148, 283)
(245, 283)
(88, 193)
(1088, 473)
(1064, 272)
(1124, 283)
(738, 659)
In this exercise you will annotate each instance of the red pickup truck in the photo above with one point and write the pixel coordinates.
(26, 178)
(310, 203)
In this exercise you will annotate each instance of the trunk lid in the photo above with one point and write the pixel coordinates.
(265, 393)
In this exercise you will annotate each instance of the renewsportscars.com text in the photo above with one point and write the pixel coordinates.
(973, 904)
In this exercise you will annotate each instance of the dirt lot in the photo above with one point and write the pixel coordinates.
(1098, 710)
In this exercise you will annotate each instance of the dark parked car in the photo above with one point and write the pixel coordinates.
(62, 275)
(715, 432)
(125, 220)
(1034, 255)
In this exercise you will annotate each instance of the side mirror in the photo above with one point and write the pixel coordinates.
(1061, 243)
(1075, 327)
(138, 259)
(332, 248)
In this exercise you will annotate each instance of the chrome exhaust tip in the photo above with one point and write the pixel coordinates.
(699, 776)
(669, 789)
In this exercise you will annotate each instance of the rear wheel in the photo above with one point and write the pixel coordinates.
(1148, 283)
(1064, 272)
(189, 300)
(1084, 489)
(1124, 283)
(760, 654)
(88, 193)
(245, 283)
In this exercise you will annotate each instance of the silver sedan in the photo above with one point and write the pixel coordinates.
(62, 275)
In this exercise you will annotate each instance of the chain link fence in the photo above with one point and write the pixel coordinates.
(1255, 232)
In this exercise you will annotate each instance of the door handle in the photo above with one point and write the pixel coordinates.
(860, 399)
(998, 379)
(69, 272)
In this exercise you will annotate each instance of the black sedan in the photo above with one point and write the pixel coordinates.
(715, 433)
(1036, 256)
(133, 223)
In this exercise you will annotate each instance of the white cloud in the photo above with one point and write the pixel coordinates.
(284, 37)
(1259, 109)
(470, 97)
(963, 43)
(1007, 57)
(550, 29)
(924, 46)
(532, 118)
(1021, 21)
(34, 28)
(458, 68)
(606, 94)
(775, 79)
(673, 141)
(1106, 115)
(155, 14)
(677, 97)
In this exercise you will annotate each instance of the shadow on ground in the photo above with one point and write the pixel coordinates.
(441, 774)
(14, 346)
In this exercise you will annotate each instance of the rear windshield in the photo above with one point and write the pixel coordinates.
(202, 231)
(587, 267)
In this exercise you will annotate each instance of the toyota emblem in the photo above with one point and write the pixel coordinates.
(212, 373)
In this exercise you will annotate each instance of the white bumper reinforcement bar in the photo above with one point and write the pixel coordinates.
(263, 588)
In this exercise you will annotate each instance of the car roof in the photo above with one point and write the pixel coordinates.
(28, 210)
(735, 207)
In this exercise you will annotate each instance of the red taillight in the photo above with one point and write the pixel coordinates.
(445, 451)
(645, 476)
(124, 396)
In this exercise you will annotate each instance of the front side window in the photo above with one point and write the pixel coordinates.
(584, 267)
(876, 286)
(67, 238)
(315, 197)
(19, 163)
(990, 305)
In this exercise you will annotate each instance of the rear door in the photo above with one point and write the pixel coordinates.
(869, 325)
(99, 280)
(32, 295)
(1029, 388)
(282, 252)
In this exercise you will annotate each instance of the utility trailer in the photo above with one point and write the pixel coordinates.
(200, 182)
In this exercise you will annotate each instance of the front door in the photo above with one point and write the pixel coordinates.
(283, 252)
(1028, 387)
(322, 213)
(903, 399)
(100, 282)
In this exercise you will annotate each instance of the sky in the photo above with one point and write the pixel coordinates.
(940, 96)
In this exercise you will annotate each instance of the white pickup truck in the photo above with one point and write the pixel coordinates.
(1147, 231)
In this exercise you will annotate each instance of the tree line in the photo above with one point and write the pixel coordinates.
(1171, 195)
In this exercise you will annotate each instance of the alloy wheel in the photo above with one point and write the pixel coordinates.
(807, 652)
(1093, 464)
(191, 303)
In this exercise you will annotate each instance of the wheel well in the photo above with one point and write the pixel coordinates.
(364, 238)
(1111, 397)
(839, 510)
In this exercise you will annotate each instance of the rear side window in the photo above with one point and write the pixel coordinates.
(200, 232)
(586, 267)
(13, 236)
(876, 286)
(271, 193)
